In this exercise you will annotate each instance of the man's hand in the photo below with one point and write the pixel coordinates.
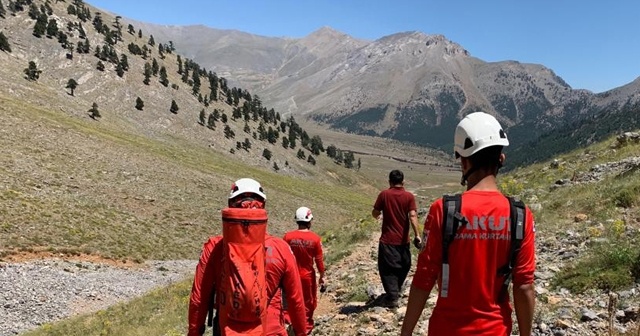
(323, 288)
(417, 242)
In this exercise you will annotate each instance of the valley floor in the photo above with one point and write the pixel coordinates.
(42, 291)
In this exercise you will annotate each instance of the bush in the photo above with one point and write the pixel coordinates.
(626, 197)
(612, 266)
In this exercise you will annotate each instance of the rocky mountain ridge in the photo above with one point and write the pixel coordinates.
(407, 86)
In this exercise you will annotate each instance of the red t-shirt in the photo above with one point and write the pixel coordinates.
(307, 247)
(281, 273)
(395, 204)
(479, 249)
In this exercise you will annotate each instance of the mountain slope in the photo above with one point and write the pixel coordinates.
(407, 86)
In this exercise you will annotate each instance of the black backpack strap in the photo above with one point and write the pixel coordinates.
(516, 222)
(451, 205)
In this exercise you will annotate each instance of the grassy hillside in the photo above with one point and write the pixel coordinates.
(80, 186)
(589, 200)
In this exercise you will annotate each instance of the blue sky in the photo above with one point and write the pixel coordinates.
(592, 45)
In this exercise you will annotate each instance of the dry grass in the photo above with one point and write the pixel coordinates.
(74, 184)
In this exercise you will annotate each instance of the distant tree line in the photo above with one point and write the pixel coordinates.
(259, 122)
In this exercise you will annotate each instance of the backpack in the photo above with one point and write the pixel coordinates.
(242, 294)
(452, 218)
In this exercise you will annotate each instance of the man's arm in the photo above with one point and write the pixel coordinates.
(377, 207)
(523, 277)
(202, 289)
(320, 260)
(413, 218)
(524, 301)
(417, 299)
(293, 291)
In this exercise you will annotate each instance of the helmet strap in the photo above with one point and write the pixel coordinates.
(465, 177)
(304, 225)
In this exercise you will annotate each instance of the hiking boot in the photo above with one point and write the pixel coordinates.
(389, 302)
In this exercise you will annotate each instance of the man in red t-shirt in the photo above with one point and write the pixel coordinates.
(472, 304)
(281, 274)
(307, 247)
(398, 209)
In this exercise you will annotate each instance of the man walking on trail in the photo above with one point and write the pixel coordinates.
(307, 247)
(398, 209)
(474, 260)
(281, 275)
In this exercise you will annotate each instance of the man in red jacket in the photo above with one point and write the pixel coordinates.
(307, 247)
(473, 297)
(281, 274)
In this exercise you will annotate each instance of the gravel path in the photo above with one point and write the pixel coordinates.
(37, 292)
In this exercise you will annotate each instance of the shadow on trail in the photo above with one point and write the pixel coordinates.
(357, 308)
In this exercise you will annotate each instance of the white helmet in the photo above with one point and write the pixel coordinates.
(303, 214)
(247, 185)
(477, 131)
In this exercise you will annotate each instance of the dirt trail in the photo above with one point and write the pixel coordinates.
(348, 308)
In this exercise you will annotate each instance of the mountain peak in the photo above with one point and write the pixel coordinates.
(326, 31)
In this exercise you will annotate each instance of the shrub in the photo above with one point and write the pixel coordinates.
(612, 266)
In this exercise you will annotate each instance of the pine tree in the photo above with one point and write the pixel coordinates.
(163, 76)
(124, 61)
(155, 67)
(301, 154)
(3, 12)
(285, 142)
(63, 39)
(72, 85)
(275, 166)
(152, 42)
(196, 82)
(174, 107)
(139, 104)
(4, 43)
(140, 33)
(348, 159)
(119, 70)
(185, 75)
(161, 51)
(100, 66)
(95, 113)
(246, 144)
(266, 153)
(311, 160)
(228, 132)
(41, 26)
(34, 12)
(71, 10)
(202, 118)
(52, 28)
(211, 121)
(316, 145)
(179, 65)
(32, 71)
(332, 151)
(147, 73)
(130, 29)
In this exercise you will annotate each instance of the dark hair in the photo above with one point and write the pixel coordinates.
(305, 224)
(396, 177)
(486, 158)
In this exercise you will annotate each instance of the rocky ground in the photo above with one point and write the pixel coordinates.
(36, 292)
(558, 312)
